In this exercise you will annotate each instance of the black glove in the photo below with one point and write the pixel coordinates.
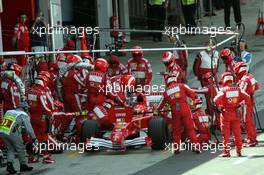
(216, 109)
(24, 105)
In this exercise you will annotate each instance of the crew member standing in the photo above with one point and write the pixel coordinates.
(228, 58)
(189, 8)
(20, 40)
(250, 85)
(140, 68)
(40, 112)
(206, 61)
(175, 95)
(172, 67)
(38, 37)
(115, 67)
(235, 4)
(228, 101)
(245, 56)
(157, 17)
(11, 131)
(10, 92)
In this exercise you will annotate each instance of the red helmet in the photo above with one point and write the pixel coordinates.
(240, 69)
(168, 59)
(198, 103)
(227, 78)
(73, 59)
(42, 66)
(208, 78)
(53, 67)
(16, 68)
(46, 74)
(113, 60)
(141, 99)
(41, 80)
(101, 65)
(226, 54)
(70, 45)
(171, 78)
(138, 53)
(88, 59)
(128, 81)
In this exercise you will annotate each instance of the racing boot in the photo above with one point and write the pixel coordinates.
(47, 159)
(197, 148)
(10, 168)
(175, 148)
(253, 143)
(250, 143)
(176, 152)
(24, 167)
(239, 154)
(32, 159)
(225, 154)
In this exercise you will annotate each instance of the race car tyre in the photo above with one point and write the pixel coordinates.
(2, 162)
(90, 128)
(158, 132)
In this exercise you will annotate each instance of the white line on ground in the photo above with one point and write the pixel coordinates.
(241, 160)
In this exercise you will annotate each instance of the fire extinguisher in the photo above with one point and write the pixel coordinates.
(114, 25)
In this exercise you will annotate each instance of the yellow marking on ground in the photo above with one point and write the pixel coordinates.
(73, 154)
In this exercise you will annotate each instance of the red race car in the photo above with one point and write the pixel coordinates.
(131, 126)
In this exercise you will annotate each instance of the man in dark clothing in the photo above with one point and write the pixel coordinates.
(38, 35)
(157, 17)
(236, 8)
(189, 9)
(209, 10)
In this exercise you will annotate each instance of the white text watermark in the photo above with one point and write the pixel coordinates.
(50, 30)
(182, 30)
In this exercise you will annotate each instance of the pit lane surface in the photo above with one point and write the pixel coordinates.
(145, 161)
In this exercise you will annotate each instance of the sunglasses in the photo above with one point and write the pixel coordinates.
(167, 63)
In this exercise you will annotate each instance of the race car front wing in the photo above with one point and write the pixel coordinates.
(98, 142)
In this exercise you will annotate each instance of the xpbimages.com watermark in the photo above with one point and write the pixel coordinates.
(182, 30)
(80, 147)
(72, 30)
(212, 147)
(147, 89)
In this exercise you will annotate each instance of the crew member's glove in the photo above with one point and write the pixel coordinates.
(156, 112)
(167, 107)
(24, 105)
(81, 113)
(35, 142)
(218, 110)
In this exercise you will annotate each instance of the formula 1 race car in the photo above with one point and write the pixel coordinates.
(131, 126)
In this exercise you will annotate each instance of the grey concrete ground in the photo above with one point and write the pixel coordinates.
(145, 161)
